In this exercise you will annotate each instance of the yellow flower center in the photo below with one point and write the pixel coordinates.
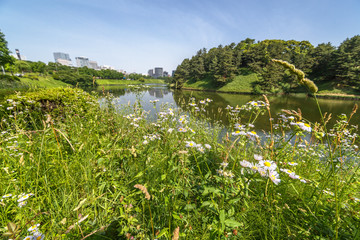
(255, 104)
(306, 125)
(267, 164)
(253, 132)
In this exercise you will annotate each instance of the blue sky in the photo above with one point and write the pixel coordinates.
(137, 35)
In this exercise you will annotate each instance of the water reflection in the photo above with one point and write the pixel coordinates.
(216, 109)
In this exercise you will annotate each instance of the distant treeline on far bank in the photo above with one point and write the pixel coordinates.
(324, 64)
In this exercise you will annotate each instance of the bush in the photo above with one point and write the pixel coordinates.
(9, 78)
(56, 101)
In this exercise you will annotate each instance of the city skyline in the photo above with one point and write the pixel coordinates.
(136, 35)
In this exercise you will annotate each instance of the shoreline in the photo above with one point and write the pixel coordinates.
(321, 95)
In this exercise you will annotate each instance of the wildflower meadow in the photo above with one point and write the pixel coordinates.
(75, 167)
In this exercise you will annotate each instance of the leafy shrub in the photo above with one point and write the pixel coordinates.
(9, 78)
(56, 101)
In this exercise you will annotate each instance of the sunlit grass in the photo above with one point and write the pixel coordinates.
(107, 172)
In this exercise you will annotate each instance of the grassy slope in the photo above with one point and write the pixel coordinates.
(241, 83)
(44, 82)
(329, 89)
(118, 81)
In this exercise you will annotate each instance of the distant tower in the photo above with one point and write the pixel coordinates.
(158, 72)
(82, 62)
(18, 53)
(94, 65)
(62, 58)
(151, 72)
(60, 55)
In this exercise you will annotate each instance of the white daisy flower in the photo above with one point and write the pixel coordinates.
(224, 164)
(292, 163)
(255, 167)
(268, 165)
(34, 228)
(190, 144)
(274, 176)
(21, 204)
(7, 195)
(181, 129)
(237, 133)
(258, 157)
(245, 163)
(262, 172)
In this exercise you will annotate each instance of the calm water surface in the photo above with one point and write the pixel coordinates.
(180, 98)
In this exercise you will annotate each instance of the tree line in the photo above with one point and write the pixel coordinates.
(325, 62)
(82, 76)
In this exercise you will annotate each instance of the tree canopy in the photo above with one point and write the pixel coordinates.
(325, 62)
(5, 57)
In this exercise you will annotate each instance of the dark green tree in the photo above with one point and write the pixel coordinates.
(322, 57)
(346, 62)
(5, 57)
(197, 66)
(182, 73)
(38, 67)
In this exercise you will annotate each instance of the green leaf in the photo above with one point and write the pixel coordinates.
(176, 216)
(163, 232)
(208, 190)
(11, 227)
(222, 219)
(80, 204)
(139, 174)
(206, 203)
(232, 223)
(189, 207)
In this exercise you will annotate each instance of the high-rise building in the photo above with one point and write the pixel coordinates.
(94, 65)
(151, 72)
(82, 62)
(158, 72)
(64, 62)
(165, 74)
(62, 58)
(60, 55)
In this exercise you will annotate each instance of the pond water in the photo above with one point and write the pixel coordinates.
(216, 109)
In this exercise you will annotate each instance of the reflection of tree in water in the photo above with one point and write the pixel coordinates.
(114, 90)
(216, 109)
(309, 109)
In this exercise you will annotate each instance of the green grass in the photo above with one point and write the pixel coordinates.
(91, 170)
(123, 82)
(240, 84)
(43, 82)
(331, 89)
